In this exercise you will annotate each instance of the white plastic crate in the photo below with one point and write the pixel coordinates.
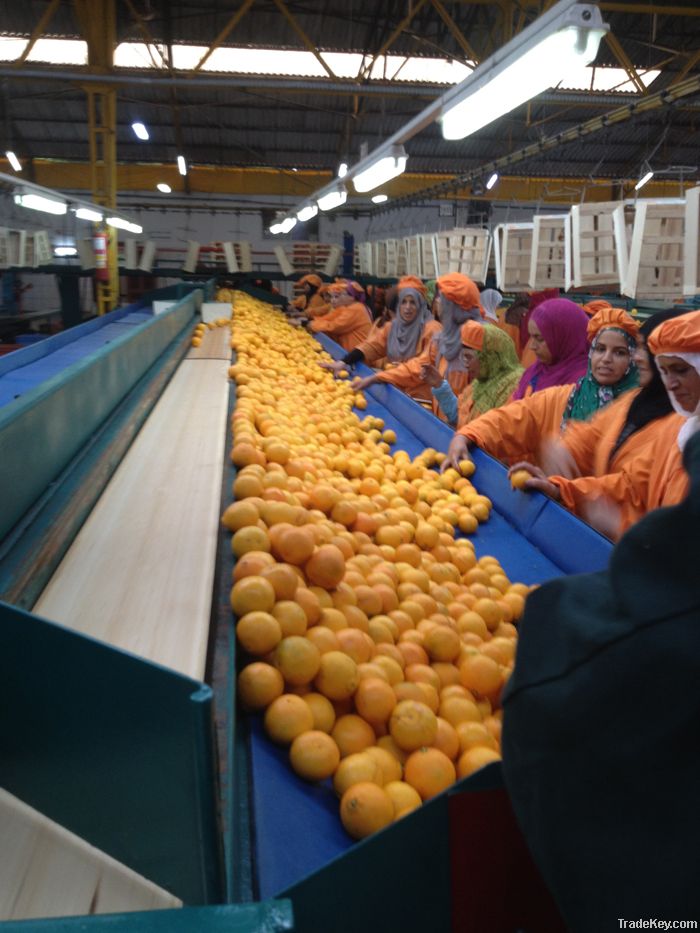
(513, 249)
(464, 250)
(550, 254)
(656, 259)
(365, 257)
(691, 258)
(595, 251)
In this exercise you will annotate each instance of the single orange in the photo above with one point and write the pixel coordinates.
(355, 768)
(297, 659)
(259, 684)
(326, 566)
(251, 594)
(404, 797)
(258, 632)
(352, 734)
(365, 808)
(252, 564)
(412, 725)
(284, 579)
(286, 718)
(429, 771)
(375, 700)
(322, 711)
(337, 675)
(475, 758)
(314, 755)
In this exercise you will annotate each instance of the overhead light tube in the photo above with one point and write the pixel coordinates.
(122, 224)
(332, 199)
(86, 213)
(492, 181)
(647, 176)
(181, 165)
(540, 57)
(13, 160)
(163, 187)
(140, 131)
(385, 166)
(37, 202)
(307, 212)
(287, 224)
(379, 198)
(342, 169)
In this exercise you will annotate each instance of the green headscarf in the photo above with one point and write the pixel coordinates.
(499, 371)
(588, 395)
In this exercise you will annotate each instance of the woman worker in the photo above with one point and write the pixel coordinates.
(494, 370)
(656, 477)
(310, 302)
(349, 321)
(587, 456)
(516, 431)
(557, 330)
(457, 300)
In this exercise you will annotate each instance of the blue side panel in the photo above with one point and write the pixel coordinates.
(296, 827)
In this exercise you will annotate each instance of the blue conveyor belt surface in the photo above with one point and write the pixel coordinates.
(17, 381)
(297, 827)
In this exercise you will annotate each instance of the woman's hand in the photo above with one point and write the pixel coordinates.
(538, 479)
(557, 460)
(431, 375)
(359, 384)
(458, 450)
(335, 366)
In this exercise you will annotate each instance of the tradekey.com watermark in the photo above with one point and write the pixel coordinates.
(654, 924)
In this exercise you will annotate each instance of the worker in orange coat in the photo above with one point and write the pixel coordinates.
(656, 476)
(516, 431)
(311, 302)
(349, 320)
(457, 300)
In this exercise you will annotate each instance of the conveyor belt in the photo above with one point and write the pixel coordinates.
(139, 575)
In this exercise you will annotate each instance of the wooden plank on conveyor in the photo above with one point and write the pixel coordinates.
(47, 871)
(139, 574)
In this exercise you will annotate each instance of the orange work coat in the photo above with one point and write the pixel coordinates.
(348, 325)
(406, 376)
(515, 431)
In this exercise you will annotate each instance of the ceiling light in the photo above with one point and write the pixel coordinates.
(383, 166)
(165, 189)
(307, 212)
(13, 160)
(87, 213)
(37, 202)
(287, 224)
(647, 176)
(492, 181)
(332, 199)
(540, 57)
(342, 169)
(380, 198)
(122, 224)
(65, 251)
(140, 131)
(295, 169)
(181, 165)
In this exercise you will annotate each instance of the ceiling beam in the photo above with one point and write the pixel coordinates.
(413, 10)
(456, 32)
(225, 32)
(281, 6)
(38, 30)
(625, 62)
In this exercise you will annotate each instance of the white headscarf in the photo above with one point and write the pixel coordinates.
(490, 301)
(692, 418)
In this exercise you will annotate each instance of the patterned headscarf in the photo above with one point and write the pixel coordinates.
(402, 342)
(499, 370)
(588, 395)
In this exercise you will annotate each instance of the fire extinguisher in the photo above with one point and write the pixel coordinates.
(99, 245)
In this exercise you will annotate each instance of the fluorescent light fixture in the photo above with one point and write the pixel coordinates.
(87, 213)
(275, 228)
(13, 160)
(65, 251)
(647, 176)
(307, 212)
(122, 224)
(380, 198)
(492, 181)
(37, 202)
(384, 165)
(181, 165)
(540, 57)
(332, 199)
(287, 224)
(140, 131)
(162, 187)
(342, 169)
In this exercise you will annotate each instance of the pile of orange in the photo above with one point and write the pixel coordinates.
(380, 644)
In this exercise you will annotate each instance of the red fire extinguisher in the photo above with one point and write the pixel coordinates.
(99, 245)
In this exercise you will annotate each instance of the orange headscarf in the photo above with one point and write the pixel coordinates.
(593, 307)
(312, 279)
(412, 281)
(678, 335)
(461, 290)
(611, 317)
(337, 288)
(472, 335)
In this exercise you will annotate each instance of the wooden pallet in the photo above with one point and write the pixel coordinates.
(595, 249)
(466, 250)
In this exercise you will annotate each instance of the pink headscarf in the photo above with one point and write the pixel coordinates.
(563, 326)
